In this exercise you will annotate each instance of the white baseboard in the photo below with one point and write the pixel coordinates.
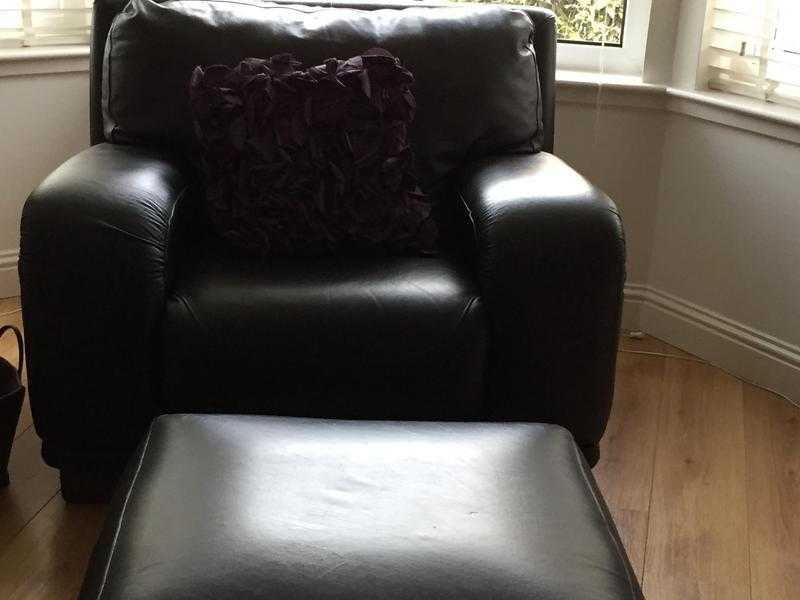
(9, 278)
(742, 350)
(632, 306)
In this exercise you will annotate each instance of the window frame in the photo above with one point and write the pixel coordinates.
(46, 23)
(627, 59)
(758, 74)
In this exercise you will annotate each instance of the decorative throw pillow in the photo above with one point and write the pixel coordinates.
(311, 161)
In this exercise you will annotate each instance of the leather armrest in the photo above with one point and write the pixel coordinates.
(94, 257)
(551, 265)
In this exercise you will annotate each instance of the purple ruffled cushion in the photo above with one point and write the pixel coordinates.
(314, 161)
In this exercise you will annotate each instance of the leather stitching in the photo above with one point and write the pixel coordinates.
(105, 83)
(609, 526)
(471, 217)
(539, 117)
(168, 238)
(122, 514)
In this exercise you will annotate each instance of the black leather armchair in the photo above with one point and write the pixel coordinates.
(131, 309)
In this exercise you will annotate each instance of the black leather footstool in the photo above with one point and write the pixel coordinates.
(219, 507)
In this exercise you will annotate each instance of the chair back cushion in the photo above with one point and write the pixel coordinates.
(477, 86)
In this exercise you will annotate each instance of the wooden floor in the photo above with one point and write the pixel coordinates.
(701, 472)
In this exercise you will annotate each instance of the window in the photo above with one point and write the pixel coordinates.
(619, 26)
(582, 21)
(43, 22)
(38, 22)
(752, 48)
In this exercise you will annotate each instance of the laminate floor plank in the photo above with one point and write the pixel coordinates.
(32, 486)
(697, 545)
(9, 305)
(47, 559)
(627, 451)
(773, 495)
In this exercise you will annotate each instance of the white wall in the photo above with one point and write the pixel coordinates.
(712, 217)
(44, 120)
(724, 278)
(619, 149)
(728, 227)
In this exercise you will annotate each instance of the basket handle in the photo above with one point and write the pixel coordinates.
(20, 345)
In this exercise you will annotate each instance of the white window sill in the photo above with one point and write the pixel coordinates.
(43, 60)
(605, 89)
(765, 118)
(768, 118)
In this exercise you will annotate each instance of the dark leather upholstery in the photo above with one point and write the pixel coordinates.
(153, 48)
(93, 270)
(548, 243)
(334, 337)
(131, 310)
(544, 43)
(247, 508)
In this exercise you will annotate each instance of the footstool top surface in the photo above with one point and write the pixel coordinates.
(219, 507)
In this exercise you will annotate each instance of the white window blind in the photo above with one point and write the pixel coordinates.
(44, 22)
(753, 49)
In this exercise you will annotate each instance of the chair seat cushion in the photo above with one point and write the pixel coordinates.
(358, 337)
(248, 508)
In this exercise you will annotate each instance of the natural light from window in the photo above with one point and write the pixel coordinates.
(582, 21)
(753, 49)
(784, 68)
(44, 22)
(37, 22)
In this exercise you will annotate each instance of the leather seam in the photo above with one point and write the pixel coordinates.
(471, 218)
(539, 118)
(609, 529)
(105, 90)
(293, 7)
(468, 309)
(122, 514)
(168, 236)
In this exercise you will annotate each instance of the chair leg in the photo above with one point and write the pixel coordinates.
(88, 482)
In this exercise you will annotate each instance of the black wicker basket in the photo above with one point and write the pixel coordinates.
(11, 395)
